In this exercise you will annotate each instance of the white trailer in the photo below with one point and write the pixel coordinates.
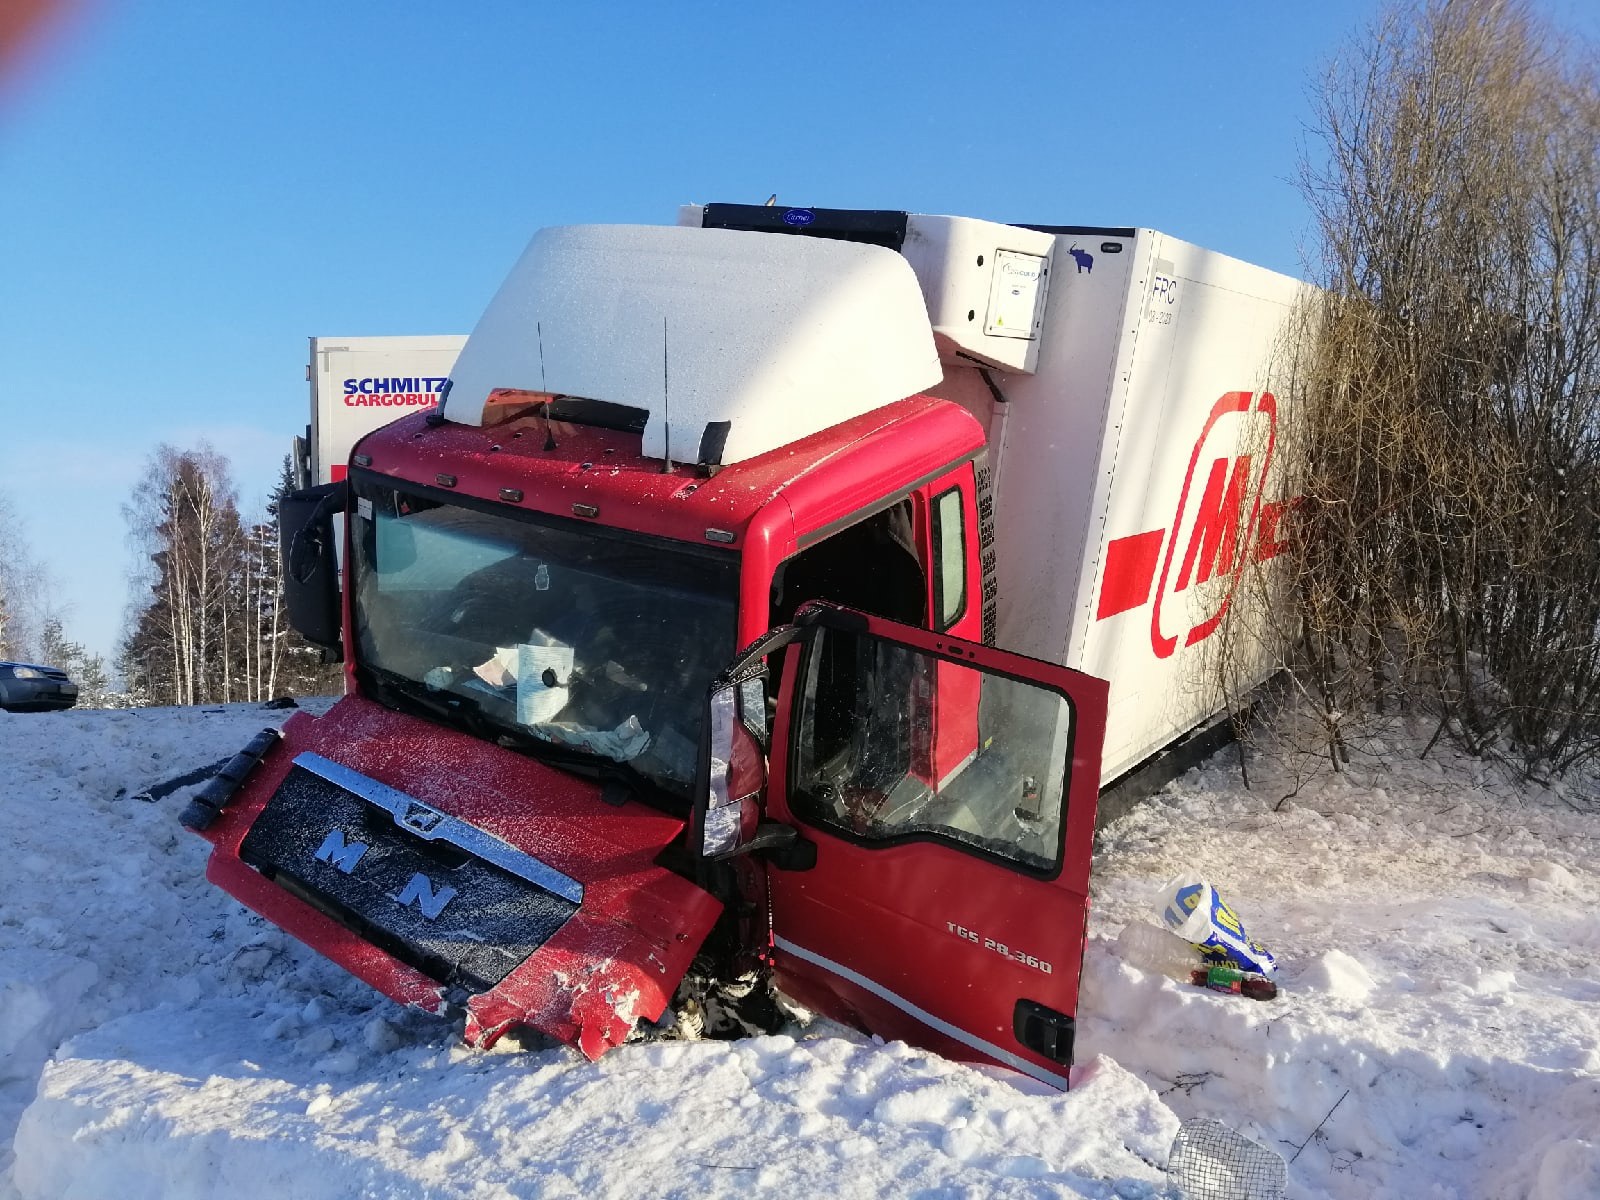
(360, 383)
(1133, 468)
(1127, 382)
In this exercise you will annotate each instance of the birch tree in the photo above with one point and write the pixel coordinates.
(207, 623)
(185, 526)
(23, 588)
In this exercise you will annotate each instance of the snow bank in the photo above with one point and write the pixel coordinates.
(1437, 1035)
(221, 1099)
(1448, 1008)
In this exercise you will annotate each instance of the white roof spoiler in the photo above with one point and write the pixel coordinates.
(778, 337)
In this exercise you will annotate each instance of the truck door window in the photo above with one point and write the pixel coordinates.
(863, 752)
(871, 566)
(950, 559)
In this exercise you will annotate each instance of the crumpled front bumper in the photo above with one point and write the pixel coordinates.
(441, 869)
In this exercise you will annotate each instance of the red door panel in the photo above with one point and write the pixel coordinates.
(947, 913)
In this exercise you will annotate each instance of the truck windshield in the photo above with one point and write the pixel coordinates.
(539, 632)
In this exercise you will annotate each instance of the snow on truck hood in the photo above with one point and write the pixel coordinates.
(780, 337)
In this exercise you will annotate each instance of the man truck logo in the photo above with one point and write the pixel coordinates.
(420, 891)
(1220, 511)
(339, 853)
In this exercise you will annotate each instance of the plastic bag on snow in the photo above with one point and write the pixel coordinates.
(1191, 908)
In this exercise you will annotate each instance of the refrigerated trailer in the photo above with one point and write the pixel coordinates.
(769, 599)
(361, 383)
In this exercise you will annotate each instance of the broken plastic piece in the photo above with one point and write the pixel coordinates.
(1209, 1161)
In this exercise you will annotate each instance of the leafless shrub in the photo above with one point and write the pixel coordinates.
(1445, 435)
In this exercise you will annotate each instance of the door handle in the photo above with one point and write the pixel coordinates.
(1044, 1030)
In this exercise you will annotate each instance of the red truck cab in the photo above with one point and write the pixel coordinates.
(555, 773)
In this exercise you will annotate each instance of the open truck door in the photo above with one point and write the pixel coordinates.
(917, 893)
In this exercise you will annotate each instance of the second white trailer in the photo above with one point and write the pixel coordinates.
(361, 383)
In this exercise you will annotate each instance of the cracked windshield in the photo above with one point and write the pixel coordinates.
(584, 638)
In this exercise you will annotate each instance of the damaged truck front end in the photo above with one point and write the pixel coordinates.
(479, 822)
(528, 900)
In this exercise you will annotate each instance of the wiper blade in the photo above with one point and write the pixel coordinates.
(463, 712)
(578, 761)
(420, 695)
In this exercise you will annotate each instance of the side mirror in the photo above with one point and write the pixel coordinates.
(311, 567)
(736, 775)
(732, 790)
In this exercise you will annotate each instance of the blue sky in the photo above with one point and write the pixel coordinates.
(190, 189)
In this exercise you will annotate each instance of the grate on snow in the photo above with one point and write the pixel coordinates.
(1209, 1161)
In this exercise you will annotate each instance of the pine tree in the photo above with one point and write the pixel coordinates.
(88, 671)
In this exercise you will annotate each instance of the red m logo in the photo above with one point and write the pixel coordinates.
(1213, 526)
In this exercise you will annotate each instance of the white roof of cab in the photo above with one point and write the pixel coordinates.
(780, 336)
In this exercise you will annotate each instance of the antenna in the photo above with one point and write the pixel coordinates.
(666, 413)
(549, 421)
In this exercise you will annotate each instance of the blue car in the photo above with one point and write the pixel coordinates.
(28, 687)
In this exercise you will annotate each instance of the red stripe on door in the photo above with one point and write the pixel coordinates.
(1130, 570)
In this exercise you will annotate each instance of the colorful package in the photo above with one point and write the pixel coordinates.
(1192, 909)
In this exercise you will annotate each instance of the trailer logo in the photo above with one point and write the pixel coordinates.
(799, 217)
(1084, 259)
(399, 391)
(1221, 520)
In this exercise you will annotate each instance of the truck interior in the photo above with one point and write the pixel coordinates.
(872, 566)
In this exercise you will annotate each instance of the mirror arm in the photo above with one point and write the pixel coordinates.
(782, 845)
(771, 835)
(750, 662)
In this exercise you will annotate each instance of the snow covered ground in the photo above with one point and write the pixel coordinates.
(1436, 924)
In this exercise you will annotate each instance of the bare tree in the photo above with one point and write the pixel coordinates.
(206, 624)
(1446, 436)
(24, 588)
(186, 529)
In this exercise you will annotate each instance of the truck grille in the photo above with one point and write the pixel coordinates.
(411, 880)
